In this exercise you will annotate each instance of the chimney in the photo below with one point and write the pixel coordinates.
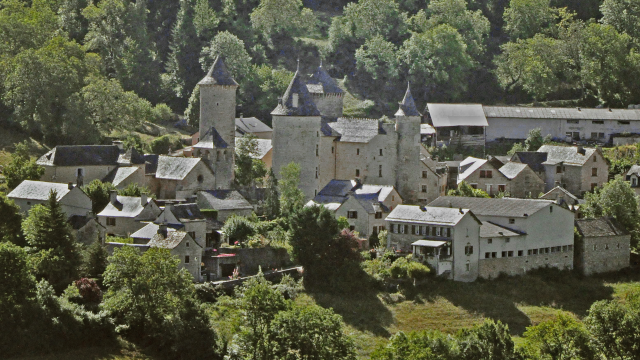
(143, 199)
(581, 150)
(579, 109)
(113, 196)
(461, 212)
(240, 116)
(162, 230)
(119, 144)
(70, 186)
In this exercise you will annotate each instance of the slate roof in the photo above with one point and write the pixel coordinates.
(332, 206)
(38, 190)
(264, 146)
(356, 130)
(336, 192)
(532, 158)
(508, 207)
(427, 214)
(407, 106)
(429, 243)
(218, 75)
(320, 82)
(171, 241)
(211, 140)
(491, 230)
(443, 115)
(187, 212)
(126, 206)
(149, 231)
(306, 106)
(338, 188)
(175, 168)
(251, 125)
(89, 155)
(119, 174)
(500, 158)
(566, 193)
(512, 169)
(225, 200)
(468, 166)
(566, 154)
(426, 129)
(150, 163)
(599, 227)
(560, 113)
(635, 169)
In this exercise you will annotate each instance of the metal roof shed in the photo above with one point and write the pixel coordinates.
(444, 115)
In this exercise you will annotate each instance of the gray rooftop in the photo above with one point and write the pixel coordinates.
(560, 113)
(148, 231)
(119, 174)
(38, 190)
(89, 155)
(223, 200)
(306, 106)
(251, 125)
(512, 169)
(175, 168)
(173, 239)
(508, 207)
(565, 154)
(218, 75)
(491, 230)
(634, 170)
(408, 106)
(264, 146)
(356, 130)
(599, 227)
(561, 190)
(443, 115)
(427, 214)
(320, 82)
(532, 158)
(126, 206)
(211, 140)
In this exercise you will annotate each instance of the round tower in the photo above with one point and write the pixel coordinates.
(296, 135)
(217, 122)
(408, 162)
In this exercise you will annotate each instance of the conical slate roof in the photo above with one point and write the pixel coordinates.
(321, 82)
(306, 106)
(218, 75)
(407, 106)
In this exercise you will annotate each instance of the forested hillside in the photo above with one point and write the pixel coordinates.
(73, 71)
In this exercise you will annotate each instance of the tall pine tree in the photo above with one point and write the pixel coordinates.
(271, 197)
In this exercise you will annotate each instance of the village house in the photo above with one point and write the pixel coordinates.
(253, 126)
(264, 153)
(457, 124)
(181, 245)
(563, 124)
(565, 199)
(533, 159)
(535, 233)
(225, 203)
(82, 164)
(365, 206)
(433, 178)
(512, 179)
(446, 238)
(184, 217)
(603, 246)
(633, 177)
(124, 215)
(179, 177)
(87, 229)
(73, 201)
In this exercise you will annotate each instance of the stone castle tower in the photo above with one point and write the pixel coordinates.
(217, 122)
(296, 134)
(408, 154)
(326, 94)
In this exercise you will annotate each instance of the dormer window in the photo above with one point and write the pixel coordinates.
(294, 100)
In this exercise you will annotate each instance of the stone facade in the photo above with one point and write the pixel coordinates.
(199, 178)
(329, 105)
(493, 267)
(602, 246)
(407, 164)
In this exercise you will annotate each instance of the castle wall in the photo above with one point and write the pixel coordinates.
(408, 160)
(327, 167)
(329, 105)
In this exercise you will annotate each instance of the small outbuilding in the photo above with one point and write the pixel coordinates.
(603, 246)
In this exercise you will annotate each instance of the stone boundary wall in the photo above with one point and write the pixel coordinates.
(491, 268)
(250, 259)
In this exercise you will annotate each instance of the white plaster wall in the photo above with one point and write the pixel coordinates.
(466, 232)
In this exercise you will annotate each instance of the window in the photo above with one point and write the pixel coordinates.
(570, 247)
(468, 250)
(406, 229)
(448, 232)
(332, 149)
(192, 234)
(504, 254)
(502, 188)
(424, 188)
(594, 135)
(624, 122)
(186, 259)
(200, 178)
(316, 173)
(489, 241)
(352, 228)
(486, 174)
(520, 252)
(357, 172)
(424, 174)
(317, 150)
(529, 252)
(595, 158)
(111, 221)
(535, 251)
(393, 228)
(546, 250)
(186, 244)
(378, 215)
(437, 231)
(425, 230)
(509, 253)
(594, 171)
(593, 186)
(352, 214)
(506, 240)
(601, 135)
(550, 209)
(564, 248)
(598, 122)
(401, 228)
(558, 169)
(379, 170)
(413, 229)
(512, 221)
(483, 174)
(487, 255)
(573, 121)
(489, 174)
(357, 151)
(475, 186)
(380, 152)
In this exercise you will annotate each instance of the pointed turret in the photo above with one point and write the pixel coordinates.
(218, 75)
(326, 93)
(296, 101)
(408, 106)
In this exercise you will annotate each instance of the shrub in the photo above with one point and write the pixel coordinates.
(404, 267)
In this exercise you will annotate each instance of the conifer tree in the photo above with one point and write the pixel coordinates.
(271, 197)
(51, 245)
(10, 220)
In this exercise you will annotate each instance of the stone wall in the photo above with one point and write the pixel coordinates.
(491, 268)
(408, 164)
(329, 105)
(250, 259)
(603, 254)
